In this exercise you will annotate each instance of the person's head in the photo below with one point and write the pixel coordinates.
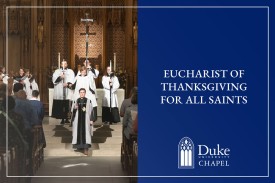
(11, 103)
(17, 87)
(134, 99)
(82, 92)
(83, 71)
(88, 63)
(108, 70)
(27, 72)
(21, 94)
(2, 69)
(133, 91)
(64, 64)
(35, 93)
(21, 71)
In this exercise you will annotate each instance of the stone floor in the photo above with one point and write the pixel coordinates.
(63, 164)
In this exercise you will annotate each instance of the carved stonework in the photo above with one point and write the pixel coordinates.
(59, 15)
(135, 33)
(26, 32)
(40, 11)
(95, 41)
(40, 24)
(116, 40)
(2, 21)
(95, 13)
(60, 31)
(60, 43)
(13, 21)
(116, 16)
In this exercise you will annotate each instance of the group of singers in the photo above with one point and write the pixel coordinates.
(24, 77)
(75, 95)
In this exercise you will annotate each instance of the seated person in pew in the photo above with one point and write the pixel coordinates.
(127, 102)
(15, 130)
(130, 115)
(135, 125)
(40, 111)
(30, 118)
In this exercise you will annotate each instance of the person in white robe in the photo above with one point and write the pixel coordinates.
(130, 115)
(30, 84)
(94, 72)
(20, 77)
(82, 80)
(82, 124)
(3, 76)
(110, 84)
(62, 78)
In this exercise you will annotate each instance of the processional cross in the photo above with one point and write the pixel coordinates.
(87, 20)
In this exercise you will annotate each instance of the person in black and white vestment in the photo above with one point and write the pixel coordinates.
(86, 81)
(82, 122)
(110, 84)
(61, 79)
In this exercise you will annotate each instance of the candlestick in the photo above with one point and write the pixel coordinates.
(111, 65)
(114, 61)
(58, 60)
(63, 64)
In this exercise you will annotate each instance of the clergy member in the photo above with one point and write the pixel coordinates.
(86, 81)
(61, 79)
(82, 122)
(110, 84)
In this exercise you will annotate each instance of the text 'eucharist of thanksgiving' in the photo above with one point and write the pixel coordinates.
(203, 87)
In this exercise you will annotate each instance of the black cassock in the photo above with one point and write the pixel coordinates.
(81, 124)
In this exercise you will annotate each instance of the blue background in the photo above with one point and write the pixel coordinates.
(199, 38)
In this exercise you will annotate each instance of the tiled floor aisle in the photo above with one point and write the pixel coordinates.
(101, 165)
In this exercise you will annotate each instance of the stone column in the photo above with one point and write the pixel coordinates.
(128, 63)
(105, 37)
(71, 34)
(41, 45)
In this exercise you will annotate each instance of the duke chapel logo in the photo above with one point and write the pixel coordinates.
(205, 157)
(186, 153)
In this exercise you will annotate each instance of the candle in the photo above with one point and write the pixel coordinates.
(111, 65)
(59, 60)
(63, 64)
(114, 61)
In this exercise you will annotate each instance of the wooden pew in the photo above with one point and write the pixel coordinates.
(3, 159)
(129, 156)
(9, 158)
(123, 152)
(131, 161)
(37, 149)
(135, 162)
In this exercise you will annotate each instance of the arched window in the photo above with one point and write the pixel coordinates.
(186, 153)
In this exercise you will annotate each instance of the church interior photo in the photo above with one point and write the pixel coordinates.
(37, 36)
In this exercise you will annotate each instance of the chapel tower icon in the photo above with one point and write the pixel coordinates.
(186, 153)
